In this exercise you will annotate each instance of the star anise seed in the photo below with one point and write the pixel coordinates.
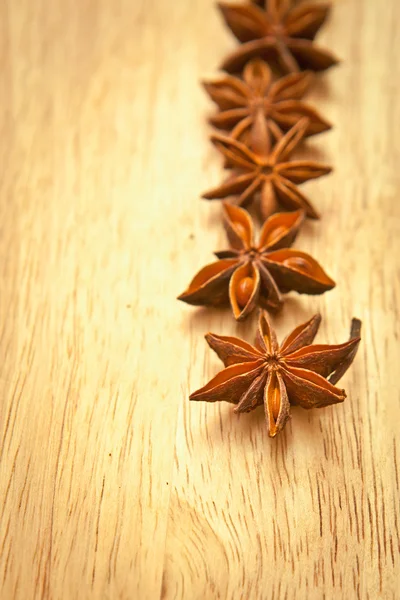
(296, 372)
(249, 275)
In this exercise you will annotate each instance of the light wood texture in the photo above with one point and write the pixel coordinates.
(114, 486)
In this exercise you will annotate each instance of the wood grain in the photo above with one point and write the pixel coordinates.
(112, 485)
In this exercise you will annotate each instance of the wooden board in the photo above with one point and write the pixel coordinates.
(112, 485)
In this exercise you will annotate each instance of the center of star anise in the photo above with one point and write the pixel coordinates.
(277, 29)
(258, 102)
(273, 361)
(267, 170)
(251, 253)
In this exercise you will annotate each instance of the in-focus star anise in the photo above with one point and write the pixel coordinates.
(267, 172)
(282, 34)
(277, 376)
(248, 275)
(239, 100)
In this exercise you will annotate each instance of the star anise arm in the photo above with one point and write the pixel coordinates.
(259, 136)
(238, 226)
(246, 21)
(254, 396)
(288, 112)
(276, 403)
(302, 335)
(266, 337)
(269, 203)
(274, 129)
(232, 350)
(286, 61)
(258, 76)
(310, 390)
(323, 358)
(306, 19)
(286, 145)
(277, 8)
(355, 333)
(280, 230)
(244, 130)
(236, 184)
(247, 196)
(244, 289)
(228, 119)
(296, 270)
(268, 389)
(264, 48)
(310, 56)
(234, 151)
(228, 92)
(299, 171)
(230, 384)
(291, 87)
(270, 297)
(210, 287)
(291, 198)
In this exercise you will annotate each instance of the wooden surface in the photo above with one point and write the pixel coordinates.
(114, 486)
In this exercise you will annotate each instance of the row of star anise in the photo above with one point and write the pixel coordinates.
(264, 120)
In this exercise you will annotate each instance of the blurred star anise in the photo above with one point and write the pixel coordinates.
(283, 33)
(277, 376)
(267, 172)
(248, 275)
(239, 100)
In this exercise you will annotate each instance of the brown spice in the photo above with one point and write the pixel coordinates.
(239, 100)
(267, 172)
(249, 275)
(283, 34)
(295, 372)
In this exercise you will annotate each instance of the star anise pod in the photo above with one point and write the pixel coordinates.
(283, 34)
(248, 275)
(277, 376)
(239, 100)
(267, 172)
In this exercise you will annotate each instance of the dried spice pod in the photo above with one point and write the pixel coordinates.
(268, 172)
(282, 33)
(249, 275)
(294, 373)
(239, 101)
